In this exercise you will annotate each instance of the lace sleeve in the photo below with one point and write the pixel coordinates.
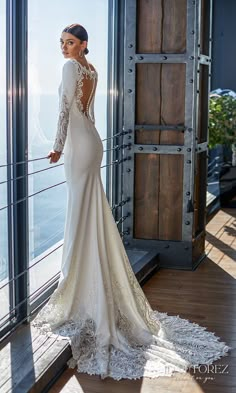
(67, 93)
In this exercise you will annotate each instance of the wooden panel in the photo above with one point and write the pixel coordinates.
(161, 26)
(149, 26)
(172, 101)
(148, 97)
(170, 197)
(146, 191)
(205, 27)
(174, 26)
(160, 99)
(147, 137)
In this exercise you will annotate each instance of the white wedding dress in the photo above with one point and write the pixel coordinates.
(99, 306)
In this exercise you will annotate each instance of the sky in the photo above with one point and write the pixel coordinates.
(46, 20)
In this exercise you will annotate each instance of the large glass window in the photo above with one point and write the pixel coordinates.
(46, 20)
(4, 264)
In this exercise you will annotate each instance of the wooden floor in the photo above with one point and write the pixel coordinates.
(206, 296)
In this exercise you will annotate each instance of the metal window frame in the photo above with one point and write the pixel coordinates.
(17, 147)
(115, 98)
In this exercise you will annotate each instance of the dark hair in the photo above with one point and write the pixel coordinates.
(79, 32)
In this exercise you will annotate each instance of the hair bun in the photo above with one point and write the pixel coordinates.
(86, 51)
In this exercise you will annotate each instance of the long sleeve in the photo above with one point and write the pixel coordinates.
(67, 93)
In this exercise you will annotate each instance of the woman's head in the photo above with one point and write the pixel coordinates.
(74, 39)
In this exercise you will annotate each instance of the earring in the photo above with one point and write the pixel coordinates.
(81, 53)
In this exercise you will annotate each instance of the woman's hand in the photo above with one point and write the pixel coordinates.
(54, 156)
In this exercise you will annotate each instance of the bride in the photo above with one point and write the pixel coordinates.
(99, 306)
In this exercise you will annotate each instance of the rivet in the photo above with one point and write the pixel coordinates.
(130, 70)
(130, 58)
(188, 193)
(167, 246)
(188, 149)
(130, 46)
(197, 91)
(179, 149)
(130, 90)
(191, 81)
(164, 58)
(140, 148)
(129, 136)
(191, 57)
(192, 32)
(154, 148)
(187, 222)
(140, 58)
(188, 161)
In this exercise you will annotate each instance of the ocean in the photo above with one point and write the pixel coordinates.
(46, 209)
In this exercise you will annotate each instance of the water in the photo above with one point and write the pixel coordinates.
(47, 209)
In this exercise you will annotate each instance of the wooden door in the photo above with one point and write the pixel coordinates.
(166, 86)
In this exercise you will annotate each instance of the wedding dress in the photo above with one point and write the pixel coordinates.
(99, 306)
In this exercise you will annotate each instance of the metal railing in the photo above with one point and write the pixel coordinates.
(10, 316)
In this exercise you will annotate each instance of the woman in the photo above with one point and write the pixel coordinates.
(99, 305)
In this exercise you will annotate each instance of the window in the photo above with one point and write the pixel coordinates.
(32, 216)
(45, 61)
(4, 260)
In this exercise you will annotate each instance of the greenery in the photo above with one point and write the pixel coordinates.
(222, 120)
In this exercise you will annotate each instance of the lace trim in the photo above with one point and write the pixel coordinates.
(179, 345)
(62, 125)
(89, 74)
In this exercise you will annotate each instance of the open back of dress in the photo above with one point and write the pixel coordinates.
(88, 89)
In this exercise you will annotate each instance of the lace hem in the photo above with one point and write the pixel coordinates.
(178, 346)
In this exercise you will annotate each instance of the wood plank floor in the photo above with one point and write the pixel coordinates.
(206, 296)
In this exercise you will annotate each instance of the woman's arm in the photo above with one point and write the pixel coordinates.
(67, 94)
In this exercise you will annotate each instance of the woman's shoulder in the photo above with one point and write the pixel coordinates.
(69, 65)
(92, 66)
